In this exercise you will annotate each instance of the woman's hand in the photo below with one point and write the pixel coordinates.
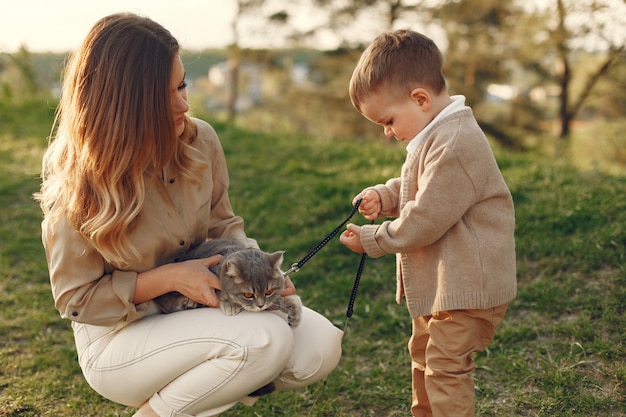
(191, 278)
(197, 282)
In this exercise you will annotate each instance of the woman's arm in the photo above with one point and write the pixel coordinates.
(85, 288)
(191, 278)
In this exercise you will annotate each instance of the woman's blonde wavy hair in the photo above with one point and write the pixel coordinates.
(114, 133)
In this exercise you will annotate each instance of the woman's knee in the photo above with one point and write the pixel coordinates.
(270, 341)
(316, 352)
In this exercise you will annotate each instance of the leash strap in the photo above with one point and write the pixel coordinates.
(296, 266)
(355, 288)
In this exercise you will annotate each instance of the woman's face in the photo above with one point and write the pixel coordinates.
(178, 95)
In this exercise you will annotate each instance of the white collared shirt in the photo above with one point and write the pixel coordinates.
(458, 104)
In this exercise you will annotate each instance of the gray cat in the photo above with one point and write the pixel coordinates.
(251, 280)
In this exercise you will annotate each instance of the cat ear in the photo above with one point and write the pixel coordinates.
(276, 258)
(231, 269)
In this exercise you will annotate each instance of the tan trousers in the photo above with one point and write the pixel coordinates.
(442, 348)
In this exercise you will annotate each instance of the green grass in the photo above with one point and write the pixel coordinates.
(561, 350)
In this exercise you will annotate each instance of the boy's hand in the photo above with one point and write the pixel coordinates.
(290, 289)
(351, 238)
(370, 205)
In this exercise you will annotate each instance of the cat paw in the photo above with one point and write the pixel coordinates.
(229, 308)
(188, 305)
(173, 302)
(293, 320)
(294, 309)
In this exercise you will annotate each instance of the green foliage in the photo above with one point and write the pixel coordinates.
(27, 120)
(560, 351)
(27, 77)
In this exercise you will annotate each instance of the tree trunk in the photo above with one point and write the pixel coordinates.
(233, 84)
(564, 113)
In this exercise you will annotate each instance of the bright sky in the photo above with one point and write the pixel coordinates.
(60, 25)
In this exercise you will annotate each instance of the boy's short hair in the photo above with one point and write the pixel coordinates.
(400, 60)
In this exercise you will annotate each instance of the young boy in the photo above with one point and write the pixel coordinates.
(453, 232)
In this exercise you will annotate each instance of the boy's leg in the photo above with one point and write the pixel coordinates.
(454, 337)
(420, 406)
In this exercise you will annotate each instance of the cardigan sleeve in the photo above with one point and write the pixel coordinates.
(389, 194)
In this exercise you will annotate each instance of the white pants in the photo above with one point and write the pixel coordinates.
(201, 362)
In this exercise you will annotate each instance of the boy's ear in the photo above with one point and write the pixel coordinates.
(421, 97)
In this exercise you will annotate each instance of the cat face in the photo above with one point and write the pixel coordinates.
(252, 279)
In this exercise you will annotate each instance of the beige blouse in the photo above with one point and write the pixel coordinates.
(177, 214)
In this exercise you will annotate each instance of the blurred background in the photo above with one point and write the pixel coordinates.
(546, 75)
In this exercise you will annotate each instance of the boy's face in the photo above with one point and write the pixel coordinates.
(400, 116)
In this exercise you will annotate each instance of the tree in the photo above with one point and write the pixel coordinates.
(478, 34)
(569, 107)
(567, 31)
(244, 10)
(533, 44)
(16, 72)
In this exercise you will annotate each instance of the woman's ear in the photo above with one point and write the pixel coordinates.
(422, 98)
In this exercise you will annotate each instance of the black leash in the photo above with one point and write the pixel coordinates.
(355, 288)
(296, 266)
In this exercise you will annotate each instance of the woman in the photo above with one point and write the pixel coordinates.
(129, 184)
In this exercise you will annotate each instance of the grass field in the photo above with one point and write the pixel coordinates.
(561, 350)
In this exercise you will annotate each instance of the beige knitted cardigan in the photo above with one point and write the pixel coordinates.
(453, 232)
